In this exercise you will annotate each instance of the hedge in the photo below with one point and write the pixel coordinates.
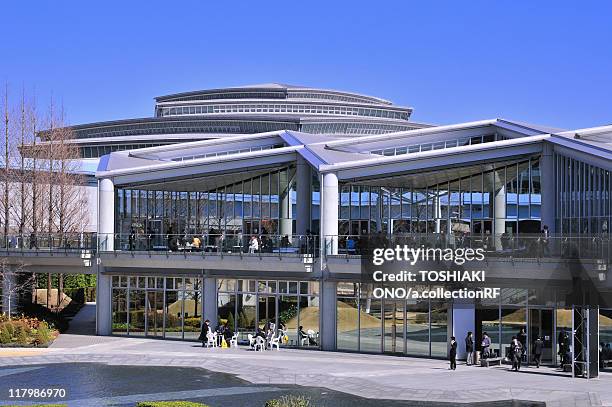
(289, 401)
(169, 404)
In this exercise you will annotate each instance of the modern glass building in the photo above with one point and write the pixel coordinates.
(218, 113)
(177, 226)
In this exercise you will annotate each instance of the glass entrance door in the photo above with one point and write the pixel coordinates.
(155, 313)
(394, 320)
(541, 324)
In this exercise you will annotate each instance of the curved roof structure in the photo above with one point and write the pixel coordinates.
(226, 112)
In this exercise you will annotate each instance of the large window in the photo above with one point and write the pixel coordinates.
(584, 204)
(505, 200)
(157, 307)
(289, 305)
(223, 218)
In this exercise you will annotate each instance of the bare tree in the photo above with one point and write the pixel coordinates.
(6, 168)
(41, 188)
(15, 280)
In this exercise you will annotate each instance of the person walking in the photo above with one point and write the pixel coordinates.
(452, 355)
(516, 354)
(204, 332)
(538, 345)
(469, 349)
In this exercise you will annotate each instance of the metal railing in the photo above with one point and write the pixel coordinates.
(49, 242)
(261, 244)
(525, 246)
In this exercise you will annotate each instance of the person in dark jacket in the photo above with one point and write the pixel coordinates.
(522, 338)
(516, 354)
(452, 355)
(204, 332)
(469, 349)
(485, 344)
(538, 345)
(227, 332)
(132, 239)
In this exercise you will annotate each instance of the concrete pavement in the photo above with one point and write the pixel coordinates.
(371, 376)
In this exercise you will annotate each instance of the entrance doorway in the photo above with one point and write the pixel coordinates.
(541, 324)
(394, 320)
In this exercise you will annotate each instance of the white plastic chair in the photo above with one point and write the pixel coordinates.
(260, 344)
(234, 341)
(251, 341)
(211, 340)
(275, 341)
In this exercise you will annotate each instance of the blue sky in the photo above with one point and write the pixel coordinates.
(452, 61)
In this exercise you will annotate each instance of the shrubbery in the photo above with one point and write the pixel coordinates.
(289, 401)
(25, 332)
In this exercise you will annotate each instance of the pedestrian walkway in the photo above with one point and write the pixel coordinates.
(84, 322)
(370, 376)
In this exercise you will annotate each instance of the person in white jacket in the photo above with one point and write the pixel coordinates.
(253, 245)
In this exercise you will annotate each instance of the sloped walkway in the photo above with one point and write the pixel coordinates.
(81, 331)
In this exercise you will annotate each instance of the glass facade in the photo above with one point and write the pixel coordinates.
(183, 126)
(159, 307)
(286, 107)
(506, 200)
(367, 324)
(584, 204)
(249, 304)
(262, 205)
(417, 148)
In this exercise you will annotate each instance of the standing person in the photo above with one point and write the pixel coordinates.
(227, 332)
(253, 245)
(545, 236)
(204, 332)
(522, 338)
(485, 344)
(469, 349)
(452, 355)
(516, 353)
(132, 239)
(538, 345)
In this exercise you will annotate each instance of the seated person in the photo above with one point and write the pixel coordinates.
(260, 333)
(227, 332)
(350, 245)
(173, 247)
(196, 243)
(303, 335)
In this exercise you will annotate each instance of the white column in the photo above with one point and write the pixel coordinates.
(438, 211)
(547, 179)
(464, 321)
(304, 196)
(106, 214)
(499, 216)
(103, 303)
(210, 300)
(329, 212)
(327, 315)
(286, 215)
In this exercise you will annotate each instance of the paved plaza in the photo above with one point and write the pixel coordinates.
(369, 376)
